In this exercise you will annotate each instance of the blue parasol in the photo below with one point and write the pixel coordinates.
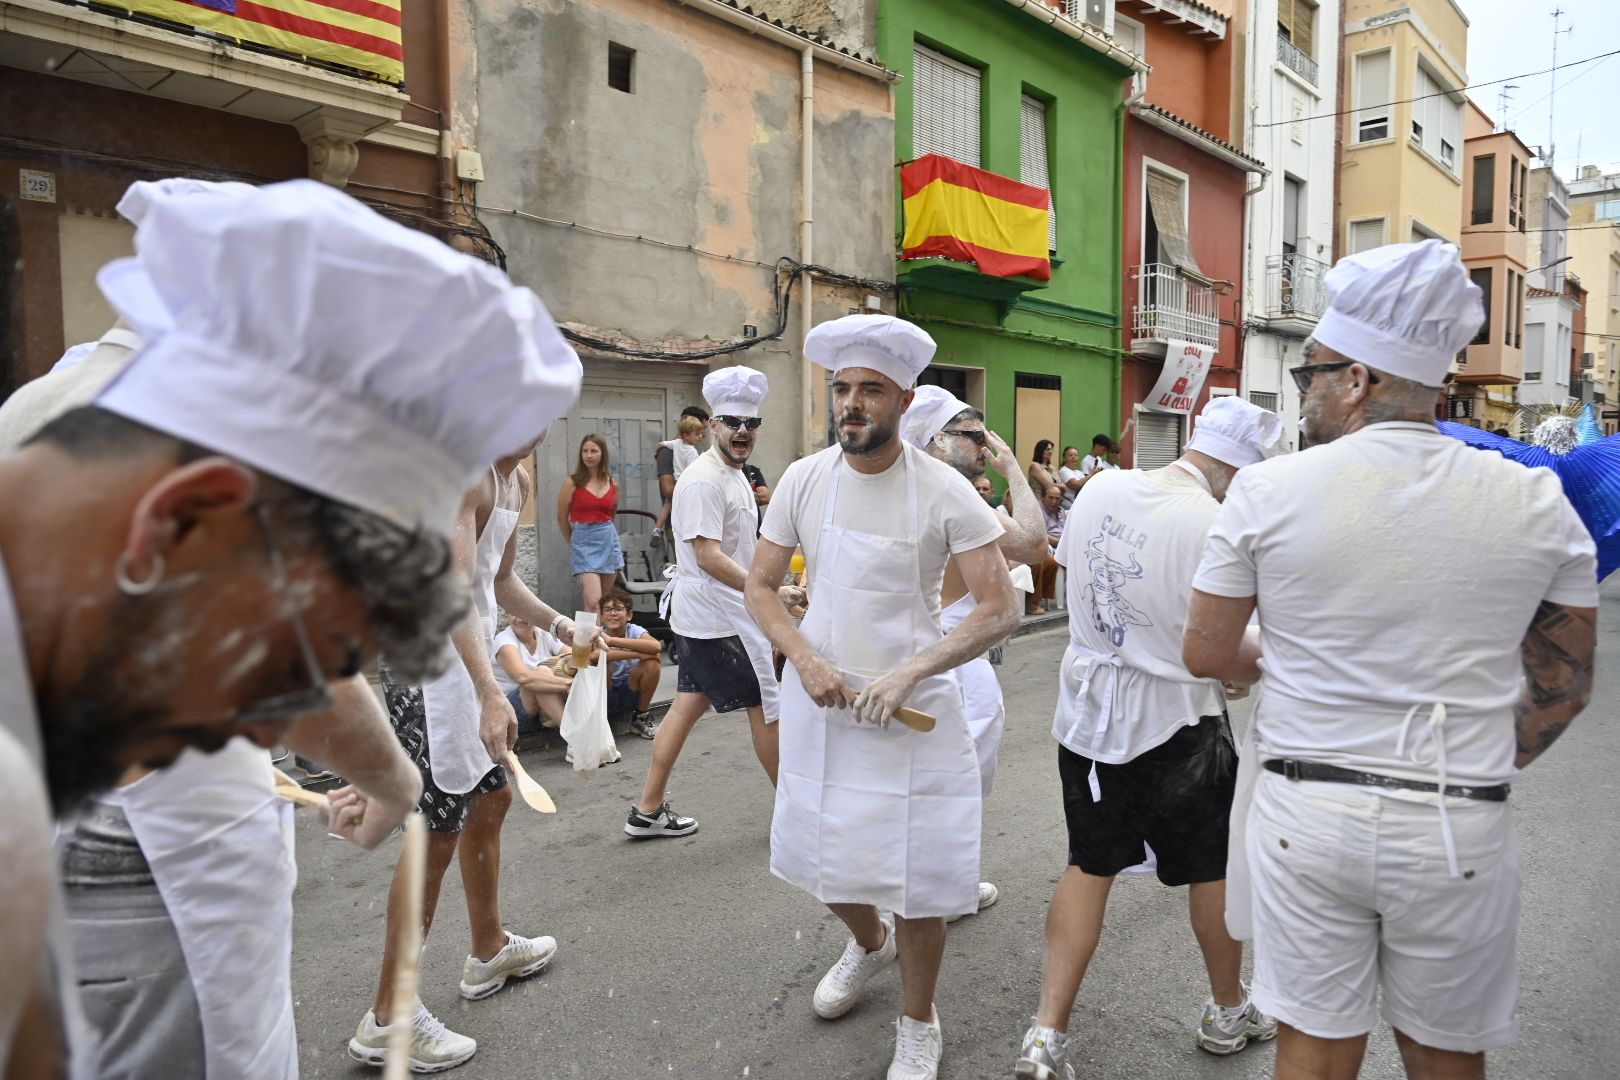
(1586, 426)
(1590, 472)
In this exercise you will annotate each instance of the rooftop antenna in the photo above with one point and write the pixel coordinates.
(1503, 97)
(1552, 98)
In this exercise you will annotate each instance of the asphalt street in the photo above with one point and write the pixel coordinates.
(686, 958)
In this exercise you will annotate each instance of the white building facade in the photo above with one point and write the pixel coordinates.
(1293, 75)
(1549, 309)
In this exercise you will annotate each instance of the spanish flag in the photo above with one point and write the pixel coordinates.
(360, 34)
(954, 211)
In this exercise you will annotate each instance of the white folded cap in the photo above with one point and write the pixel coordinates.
(887, 345)
(299, 332)
(1407, 309)
(735, 391)
(931, 409)
(1236, 432)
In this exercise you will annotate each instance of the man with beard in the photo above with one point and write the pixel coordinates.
(725, 661)
(1373, 858)
(872, 815)
(951, 430)
(257, 504)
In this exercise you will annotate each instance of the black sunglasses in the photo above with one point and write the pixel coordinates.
(737, 423)
(1305, 373)
(977, 436)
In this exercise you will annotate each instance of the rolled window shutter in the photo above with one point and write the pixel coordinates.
(1304, 27)
(1372, 86)
(1285, 17)
(1164, 201)
(1366, 235)
(944, 108)
(1158, 440)
(1033, 166)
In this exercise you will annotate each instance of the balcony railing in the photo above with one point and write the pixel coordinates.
(1168, 305)
(1297, 60)
(1294, 287)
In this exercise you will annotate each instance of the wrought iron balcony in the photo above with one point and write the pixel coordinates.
(1296, 60)
(1170, 305)
(1294, 287)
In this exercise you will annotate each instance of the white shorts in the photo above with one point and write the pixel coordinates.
(1352, 893)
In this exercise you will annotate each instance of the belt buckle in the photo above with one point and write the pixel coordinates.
(1291, 769)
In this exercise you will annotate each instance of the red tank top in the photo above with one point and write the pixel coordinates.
(587, 509)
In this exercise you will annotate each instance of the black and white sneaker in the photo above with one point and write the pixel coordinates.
(663, 822)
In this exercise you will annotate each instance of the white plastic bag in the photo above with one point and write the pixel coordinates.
(585, 723)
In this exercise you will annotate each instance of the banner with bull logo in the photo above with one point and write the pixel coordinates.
(1186, 366)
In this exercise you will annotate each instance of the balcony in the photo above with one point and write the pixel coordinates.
(1169, 305)
(1295, 295)
(1296, 60)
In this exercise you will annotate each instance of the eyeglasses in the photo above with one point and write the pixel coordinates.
(318, 695)
(737, 423)
(976, 436)
(1307, 372)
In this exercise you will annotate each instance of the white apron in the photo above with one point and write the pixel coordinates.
(450, 702)
(869, 815)
(986, 711)
(220, 845)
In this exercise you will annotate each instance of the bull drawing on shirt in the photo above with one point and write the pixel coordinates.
(1110, 611)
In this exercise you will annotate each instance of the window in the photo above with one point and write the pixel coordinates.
(945, 107)
(1129, 35)
(1608, 209)
(1524, 191)
(1372, 96)
(1423, 102)
(1421, 232)
(1033, 167)
(621, 67)
(1293, 200)
(1513, 195)
(1296, 24)
(1534, 338)
(1481, 276)
(1263, 400)
(1158, 440)
(1164, 240)
(1366, 235)
(1484, 189)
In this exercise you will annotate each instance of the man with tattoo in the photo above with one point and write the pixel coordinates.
(1413, 590)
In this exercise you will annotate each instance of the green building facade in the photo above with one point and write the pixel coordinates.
(1041, 358)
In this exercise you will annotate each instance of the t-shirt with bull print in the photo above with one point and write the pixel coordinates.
(1131, 547)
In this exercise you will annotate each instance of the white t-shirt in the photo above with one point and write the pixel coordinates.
(545, 647)
(1131, 547)
(682, 455)
(953, 518)
(1394, 567)
(1090, 463)
(714, 501)
(1065, 474)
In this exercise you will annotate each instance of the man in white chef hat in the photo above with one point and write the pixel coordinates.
(1372, 845)
(725, 660)
(871, 814)
(257, 504)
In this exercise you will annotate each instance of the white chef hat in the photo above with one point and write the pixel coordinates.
(299, 332)
(1404, 308)
(1235, 431)
(931, 409)
(735, 391)
(887, 345)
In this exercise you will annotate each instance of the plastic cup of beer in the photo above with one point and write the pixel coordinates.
(584, 630)
(796, 567)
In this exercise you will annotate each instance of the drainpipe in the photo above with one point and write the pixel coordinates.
(447, 174)
(1119, 259)
(807, 159)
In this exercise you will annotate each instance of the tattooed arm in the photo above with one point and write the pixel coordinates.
(1557, 651)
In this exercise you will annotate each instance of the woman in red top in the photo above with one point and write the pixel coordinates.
(585, 508)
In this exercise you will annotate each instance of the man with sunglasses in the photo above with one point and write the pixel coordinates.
(257, 504)
(1373, 859)
(725, 661)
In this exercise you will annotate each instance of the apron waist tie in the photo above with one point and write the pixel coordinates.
(1437, 758)
(1113, 663)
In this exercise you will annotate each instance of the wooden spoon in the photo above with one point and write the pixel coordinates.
(916, 721)
(532, 792)
(293, 792)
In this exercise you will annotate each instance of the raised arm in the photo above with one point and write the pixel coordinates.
(516, 598)
(823, 682)
(1025, 538)
(1557, 651)
(1215, 645)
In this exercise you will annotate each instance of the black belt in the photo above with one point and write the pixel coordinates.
(1295, 769)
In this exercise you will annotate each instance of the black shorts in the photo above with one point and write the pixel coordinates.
(720, 670)
(1177, 797)
(444, 812)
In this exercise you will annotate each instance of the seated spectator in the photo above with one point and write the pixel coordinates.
(987, 491)
(536, 691)
(1069, 476)
(634, 654)
(1046, 573)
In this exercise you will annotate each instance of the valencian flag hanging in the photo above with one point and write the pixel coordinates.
(954, 211)
(358, 34)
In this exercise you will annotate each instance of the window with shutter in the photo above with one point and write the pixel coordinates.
(1484, 189)
(1481, 276)
(1304, 37)
(945, 104)
(1158, 440)
(1033, 167)
(1366, 235)
(1129, 35)
(1285, 20)
(1534, 342)
(1425, 111)
(1165, 195)
(1372, 96)
(1263, 399)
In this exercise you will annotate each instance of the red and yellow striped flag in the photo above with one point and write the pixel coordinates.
(954, 211)
(359, 34)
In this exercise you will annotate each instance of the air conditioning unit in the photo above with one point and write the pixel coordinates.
(1097, 14)
(1588, 360)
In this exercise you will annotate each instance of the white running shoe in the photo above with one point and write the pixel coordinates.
(519, 958)
(917, 1047)
(841, 987)
(1044, 1055)
(434, 1047)
(988, 895)
(1223, 1032)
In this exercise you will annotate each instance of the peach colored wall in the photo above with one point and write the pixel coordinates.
(1192, 76)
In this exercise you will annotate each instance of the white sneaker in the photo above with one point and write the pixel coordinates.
(519, 958)
(917, 1047)
(988, 895)
(1044, 1056)
(841, 987)
(434, 1047)
(1226, 1031)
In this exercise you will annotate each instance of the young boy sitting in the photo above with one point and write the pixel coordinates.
(537, 693)
(634, 655)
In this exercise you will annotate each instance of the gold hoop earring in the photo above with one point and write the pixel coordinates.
(131, 587)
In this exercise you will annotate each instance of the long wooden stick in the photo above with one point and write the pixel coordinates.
(408, 948)
(916, 721)
(295, 793)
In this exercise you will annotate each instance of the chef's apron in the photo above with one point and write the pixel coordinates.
(450, 702)
(985, 709)
(885, 816)
(220, 845)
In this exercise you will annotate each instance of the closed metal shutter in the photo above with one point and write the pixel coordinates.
(1164, 202)
(1128, 35)
(1263, 399)
(1366, 235)
(1032, 163)
(944, 107)
(1372, 96)
(1158, 440)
